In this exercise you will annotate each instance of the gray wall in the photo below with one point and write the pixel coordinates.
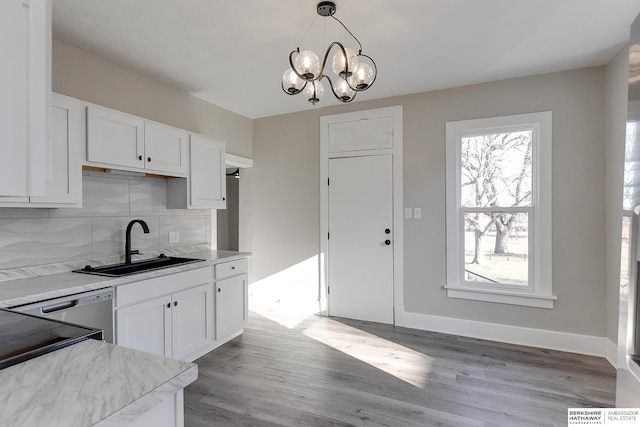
(83, 75)
(97, 230)
(617, 72)
(280, 205)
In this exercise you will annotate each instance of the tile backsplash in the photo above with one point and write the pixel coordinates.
(97, 230)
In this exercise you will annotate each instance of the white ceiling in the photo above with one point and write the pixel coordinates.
(232, 53)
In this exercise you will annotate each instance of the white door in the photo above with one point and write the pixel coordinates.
(165, 148)
(360, 252)
(208, 179)
(115, 138)
(192, 319)
(231, 305)
(146, 326)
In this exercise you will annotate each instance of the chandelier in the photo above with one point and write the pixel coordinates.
(353, 72)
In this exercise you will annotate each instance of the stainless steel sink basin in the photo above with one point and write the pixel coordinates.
(117, 270)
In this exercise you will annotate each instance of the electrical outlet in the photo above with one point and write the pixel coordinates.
(407, 213)
(174, 237)
(417, 213)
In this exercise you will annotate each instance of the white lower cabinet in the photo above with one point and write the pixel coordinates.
(146, 326)
(192, 315)
(231, 306)
(184, 315)
(171, 316)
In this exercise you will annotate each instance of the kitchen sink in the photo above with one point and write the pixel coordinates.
(117, 270)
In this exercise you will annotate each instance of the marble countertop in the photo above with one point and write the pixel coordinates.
(86, 383)
(42, 285)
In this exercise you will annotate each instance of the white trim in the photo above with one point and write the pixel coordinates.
(504, 297)
(237, 161)
(398, 217)
(612, 353)
(539, 291)
(553, 340)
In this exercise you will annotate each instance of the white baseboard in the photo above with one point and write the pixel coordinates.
(553, 340)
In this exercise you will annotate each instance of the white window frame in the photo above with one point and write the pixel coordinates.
(539, 292)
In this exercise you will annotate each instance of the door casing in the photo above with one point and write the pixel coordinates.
(395, 113)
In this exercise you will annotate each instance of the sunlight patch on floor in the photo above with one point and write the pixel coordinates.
(401, 362)
(286, 314)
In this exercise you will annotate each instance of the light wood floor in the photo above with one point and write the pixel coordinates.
(290, 370)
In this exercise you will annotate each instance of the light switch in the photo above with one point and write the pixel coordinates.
(407, 213)
(417, 213)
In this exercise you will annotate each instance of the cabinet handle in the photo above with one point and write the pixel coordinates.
(219, 290)
(233, 268)
(139, 157)
(175, 303)
(223, 199)
(148, 159)
(168, 305)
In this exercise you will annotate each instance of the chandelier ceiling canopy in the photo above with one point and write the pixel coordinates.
(353, 72)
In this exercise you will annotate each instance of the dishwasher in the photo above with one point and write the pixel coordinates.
(93, 309)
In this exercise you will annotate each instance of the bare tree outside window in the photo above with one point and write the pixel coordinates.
(496, 192)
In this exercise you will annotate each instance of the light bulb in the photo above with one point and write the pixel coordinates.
(338, 62)
(307, 64)
(291, 82)
(362, 76)
(344, 92)
(314, 91)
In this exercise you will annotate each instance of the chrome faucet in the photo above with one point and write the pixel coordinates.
(127, 245)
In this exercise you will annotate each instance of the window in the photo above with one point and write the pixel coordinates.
(499, 209)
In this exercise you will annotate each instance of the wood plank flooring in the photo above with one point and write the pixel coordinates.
(289, 370)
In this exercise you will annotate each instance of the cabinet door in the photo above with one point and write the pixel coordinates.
(165, 148)
(231, 305)
(207, 179)
(115, 138)
(192, 317)
(24, 86)
(64, 180)
(146, 326)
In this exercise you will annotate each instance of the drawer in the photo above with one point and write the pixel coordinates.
(159, 286)
(231, 268)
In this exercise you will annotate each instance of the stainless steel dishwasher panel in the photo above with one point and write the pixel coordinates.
(93, 309)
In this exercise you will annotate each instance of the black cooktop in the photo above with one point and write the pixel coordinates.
(23, 337)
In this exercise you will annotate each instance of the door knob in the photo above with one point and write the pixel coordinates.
(387, 242)
(387, 231)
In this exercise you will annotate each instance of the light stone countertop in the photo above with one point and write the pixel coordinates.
(86, 383)
(43, 286)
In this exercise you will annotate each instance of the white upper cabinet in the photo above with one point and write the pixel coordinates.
(122, 141)
(206, 186)
(115, 138)
(63, 178)
(165, 148)
(25, 43)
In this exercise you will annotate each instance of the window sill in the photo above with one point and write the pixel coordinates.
(503, 297)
